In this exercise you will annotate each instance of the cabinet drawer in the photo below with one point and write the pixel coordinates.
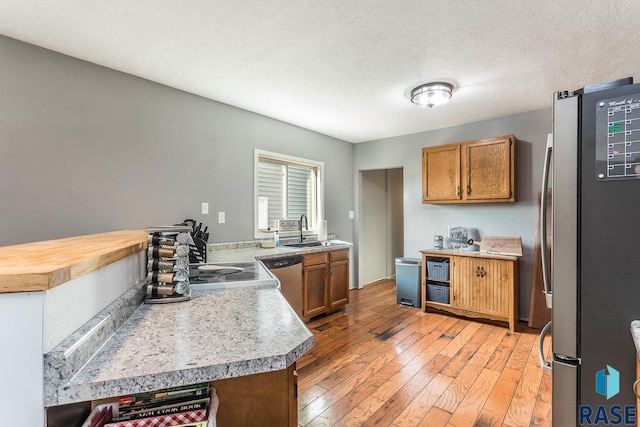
(315, 258)
(339, 255)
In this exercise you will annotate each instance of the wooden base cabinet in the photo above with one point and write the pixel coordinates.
(325, 282)
(261, 400)
(268, 399)
(480, 285)
(315, 284)
(338, 278)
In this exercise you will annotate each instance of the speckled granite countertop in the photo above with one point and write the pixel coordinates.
(251, 251)
(217, 334)
(635, 333)
(221, 333)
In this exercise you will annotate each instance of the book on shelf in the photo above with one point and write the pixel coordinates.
(163, 396)
(186, 412)
(170, 420)
(153, 410)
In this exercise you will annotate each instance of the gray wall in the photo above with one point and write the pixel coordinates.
(381, 223)
(373, 244)
(395, 227)
(423, 221)
(85, 149)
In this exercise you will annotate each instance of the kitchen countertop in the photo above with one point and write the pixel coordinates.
(39, 266)
(217, 334)
(251, 251)
(220, 333)
(635, 333)
(475, 254)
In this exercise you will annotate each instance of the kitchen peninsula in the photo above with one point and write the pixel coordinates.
(221, 336)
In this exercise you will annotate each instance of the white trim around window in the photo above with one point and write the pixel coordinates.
(293, 184)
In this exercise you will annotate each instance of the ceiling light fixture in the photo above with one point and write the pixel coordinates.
(431, 94)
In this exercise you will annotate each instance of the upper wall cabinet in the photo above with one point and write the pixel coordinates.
(480, 171)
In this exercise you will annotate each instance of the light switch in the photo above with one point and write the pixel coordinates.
(352, 214)
(221, 218)
(205, 208)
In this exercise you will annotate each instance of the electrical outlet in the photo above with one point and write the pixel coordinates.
(205, 208)
(221, 218)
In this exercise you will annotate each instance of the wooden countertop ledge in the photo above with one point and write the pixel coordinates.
(474, 254)
(39, 266)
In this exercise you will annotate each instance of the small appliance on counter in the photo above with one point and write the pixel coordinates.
(464, 239)
(438, 242)
(168, 264)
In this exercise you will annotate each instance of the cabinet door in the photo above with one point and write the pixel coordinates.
(441, 173)
(272, 395)
(339, 283)
(482, 285)
(489, 169)
(314, 289)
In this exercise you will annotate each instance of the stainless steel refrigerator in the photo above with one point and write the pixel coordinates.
(593, 281)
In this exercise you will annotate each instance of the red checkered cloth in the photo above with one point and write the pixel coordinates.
(165, 420)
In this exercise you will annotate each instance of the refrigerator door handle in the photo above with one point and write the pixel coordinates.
(544, 363)
(544, 246)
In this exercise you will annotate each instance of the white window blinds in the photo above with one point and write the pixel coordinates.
(286, 190)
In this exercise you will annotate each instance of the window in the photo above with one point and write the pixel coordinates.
(286, 188)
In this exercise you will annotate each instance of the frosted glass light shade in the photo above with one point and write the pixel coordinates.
(431, 94)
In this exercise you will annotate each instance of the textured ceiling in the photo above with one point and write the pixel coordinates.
(345, 68)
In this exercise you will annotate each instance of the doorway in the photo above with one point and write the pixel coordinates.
(382, 224)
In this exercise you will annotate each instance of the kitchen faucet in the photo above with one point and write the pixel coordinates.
(306, 226)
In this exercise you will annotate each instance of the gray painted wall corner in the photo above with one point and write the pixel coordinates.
(87, 149)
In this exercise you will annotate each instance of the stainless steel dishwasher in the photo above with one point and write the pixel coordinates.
(288, 270)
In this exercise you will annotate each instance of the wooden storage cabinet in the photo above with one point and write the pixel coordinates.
(315, 284)
(325, 282)
(484, 285)
(441, 167)
(479, 171)
(338, 278)
(266, 399)
(480, 285)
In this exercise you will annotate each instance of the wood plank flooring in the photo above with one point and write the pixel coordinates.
(377, 363)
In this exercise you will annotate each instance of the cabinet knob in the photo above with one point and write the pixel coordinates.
(458, 191)
(468, 189)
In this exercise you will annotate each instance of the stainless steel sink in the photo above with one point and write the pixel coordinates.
(304, 244)
(316, 243)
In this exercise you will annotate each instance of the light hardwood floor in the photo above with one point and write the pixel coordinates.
(377, 363)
